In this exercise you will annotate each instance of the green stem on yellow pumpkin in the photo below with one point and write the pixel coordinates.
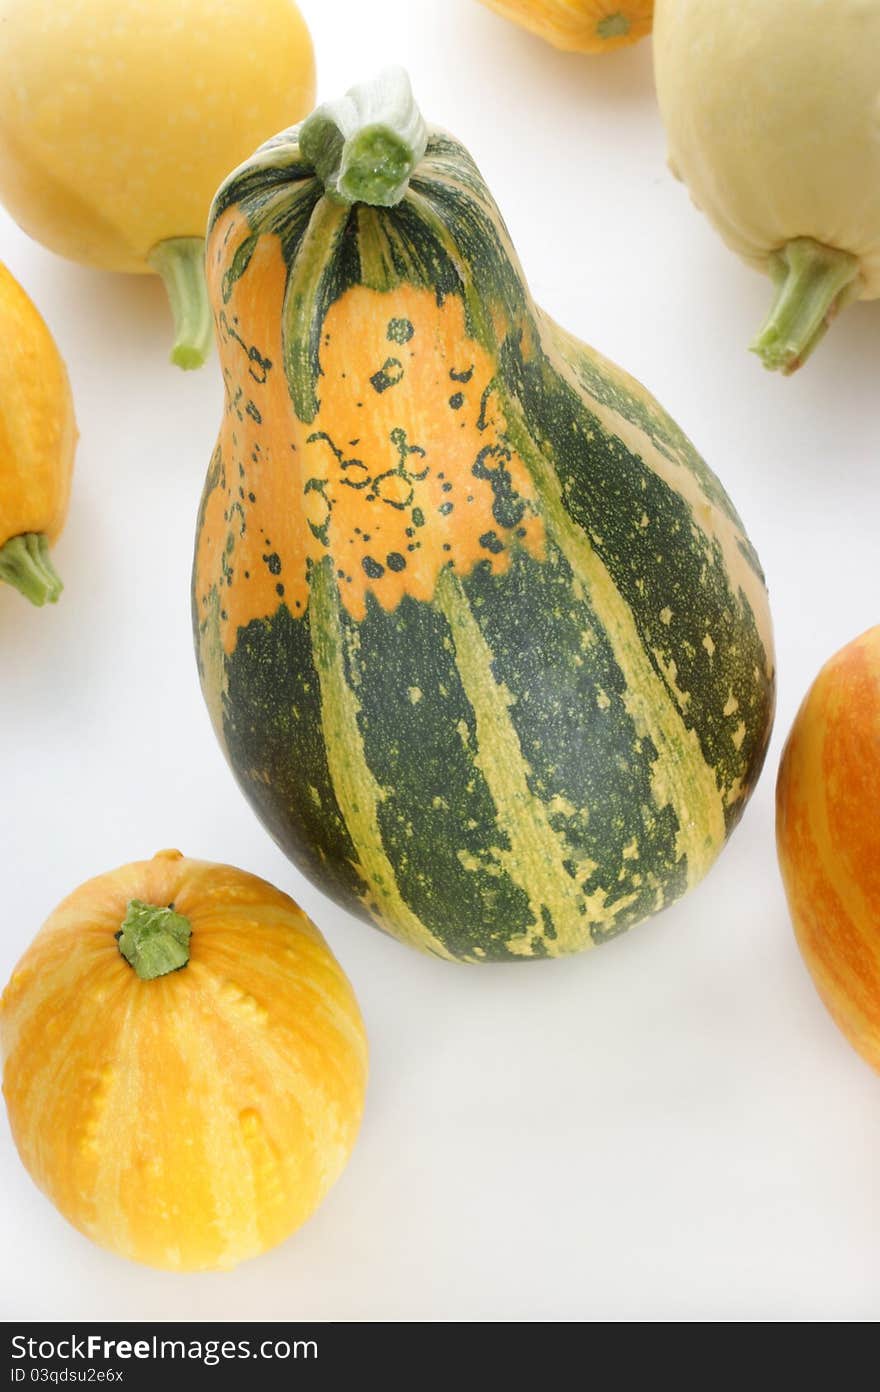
(154, 940)
(613, 26)
(25, 563)
(365, 146)
(813, 283)
(180, 261)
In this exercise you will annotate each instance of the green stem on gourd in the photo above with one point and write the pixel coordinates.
(813, 284)
(25, 563)
(365, 146)
(154, 940)
(180, 261)
(613, 26)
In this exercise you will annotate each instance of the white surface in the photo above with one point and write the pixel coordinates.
(669, 1127)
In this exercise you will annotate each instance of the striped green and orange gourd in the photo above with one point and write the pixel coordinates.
(483, 638)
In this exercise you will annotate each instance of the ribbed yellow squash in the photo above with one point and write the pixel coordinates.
(119, 119)
(586, 26)
(37, 443)
(184, 1063)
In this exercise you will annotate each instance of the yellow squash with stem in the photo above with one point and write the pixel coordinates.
(184, 1063)
(119, 119)
(585, 26)
(37, 443)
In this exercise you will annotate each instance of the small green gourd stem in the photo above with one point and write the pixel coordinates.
(180, 261)
(813, 283)
(613, 26)
(365, 146)
(25, 563)
(154, 940)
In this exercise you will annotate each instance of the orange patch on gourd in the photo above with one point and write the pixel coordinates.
(404, 470)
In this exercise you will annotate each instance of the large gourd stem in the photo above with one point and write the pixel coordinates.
(154, 940)
(365, 146)
(813, 283)
(180, 261)
(26, 564)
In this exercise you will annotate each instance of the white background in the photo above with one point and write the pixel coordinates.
(670, 1127)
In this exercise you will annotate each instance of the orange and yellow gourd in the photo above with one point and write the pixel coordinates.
(184, 1063)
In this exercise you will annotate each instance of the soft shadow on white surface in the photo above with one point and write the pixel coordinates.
(669, 1127)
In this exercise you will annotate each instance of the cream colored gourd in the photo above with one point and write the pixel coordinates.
(772, 113)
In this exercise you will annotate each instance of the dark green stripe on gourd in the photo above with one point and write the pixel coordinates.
(609, 386)
(418, 733)
(549, 649)
(274, 738)
(671, 576)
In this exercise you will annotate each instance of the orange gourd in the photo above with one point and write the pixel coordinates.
(37, 444)
(828, 838)
(184, 1063)
(585, 26)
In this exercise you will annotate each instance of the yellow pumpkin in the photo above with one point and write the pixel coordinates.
(586, 26)
(37, 444)
(184, 1063)
(119, 118)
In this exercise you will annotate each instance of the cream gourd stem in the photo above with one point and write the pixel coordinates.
(180, 261)
(154, 940)
(813, 283)
(25, 564)
(365, 146)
